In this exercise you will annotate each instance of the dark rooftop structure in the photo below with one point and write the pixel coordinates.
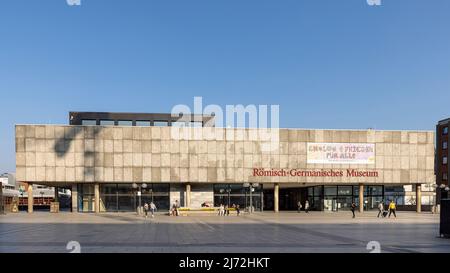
(140, 119)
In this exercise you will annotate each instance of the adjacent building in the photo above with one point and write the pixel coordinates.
(442, 156)
(107, 160)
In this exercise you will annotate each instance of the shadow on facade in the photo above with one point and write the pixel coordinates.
(63, 145)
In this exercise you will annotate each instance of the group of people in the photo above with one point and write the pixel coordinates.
(392, 208)
(224, 210)
(383, 213)
(300, 206)
(149, 207)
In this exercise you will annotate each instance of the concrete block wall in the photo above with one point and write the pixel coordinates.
(86, 154)
(201, 194)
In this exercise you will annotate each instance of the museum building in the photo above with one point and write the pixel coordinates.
(113, 161)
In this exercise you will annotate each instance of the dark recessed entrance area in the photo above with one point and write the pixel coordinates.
(289, 198)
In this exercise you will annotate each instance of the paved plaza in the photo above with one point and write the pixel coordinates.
(287, 232)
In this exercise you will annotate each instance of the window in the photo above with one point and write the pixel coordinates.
(122, 197)
(229, 194)
(125, 123)
(318, 191)
(86, 198)
(445, 131)
(178, 124)
(374, 190)
(88, 122)
(196, 124)
(345, 190)
(142, 123)
(445, 145)
(161, 123)
(445, 176)
(330, 190)
(107, 122)
(444, 160)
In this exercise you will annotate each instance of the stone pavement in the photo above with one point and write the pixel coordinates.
(286, 232)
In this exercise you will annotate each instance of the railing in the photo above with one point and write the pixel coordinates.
(38, 201)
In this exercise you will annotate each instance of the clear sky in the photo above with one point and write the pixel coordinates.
(328, 64)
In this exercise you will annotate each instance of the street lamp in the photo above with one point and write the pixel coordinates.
(433, 187)
(221, 195)
(151, 193)
(229, 197)
(143, 186)
(135, 187)
(251, 187)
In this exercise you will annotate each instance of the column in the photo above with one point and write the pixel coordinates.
(56, 195)
(30, 198)
(361, 198)
(276, 198)
(419, 197)
(74, 194)
(188, 195)
(97, 197)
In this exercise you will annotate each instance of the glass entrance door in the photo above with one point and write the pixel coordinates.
(330, 204)
(344, 203)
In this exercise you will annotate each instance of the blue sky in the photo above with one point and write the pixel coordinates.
(328, 64)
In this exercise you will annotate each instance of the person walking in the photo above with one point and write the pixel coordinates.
(238, 210)
(353, 208)
(221, 210)
(307, 206)
(299, 206)
(146, 208)
(177, 208)
(392, 209)
(380, 210)
(153, 209)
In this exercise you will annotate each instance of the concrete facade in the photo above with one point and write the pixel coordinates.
(52, 154)
(58, 155)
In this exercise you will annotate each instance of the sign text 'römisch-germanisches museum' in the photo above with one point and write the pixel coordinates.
(314, 173)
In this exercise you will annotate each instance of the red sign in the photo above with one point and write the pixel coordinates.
(313, 173)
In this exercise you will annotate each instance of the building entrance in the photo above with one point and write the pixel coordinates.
(288, 199)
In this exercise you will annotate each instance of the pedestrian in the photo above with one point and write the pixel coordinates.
(238, 210)
(353, 208)
(177, 208)
(146, 207)
(307, 206)
(380, 209)
(221, 210)
(153, 209)
(392, 209)
(299, 205)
